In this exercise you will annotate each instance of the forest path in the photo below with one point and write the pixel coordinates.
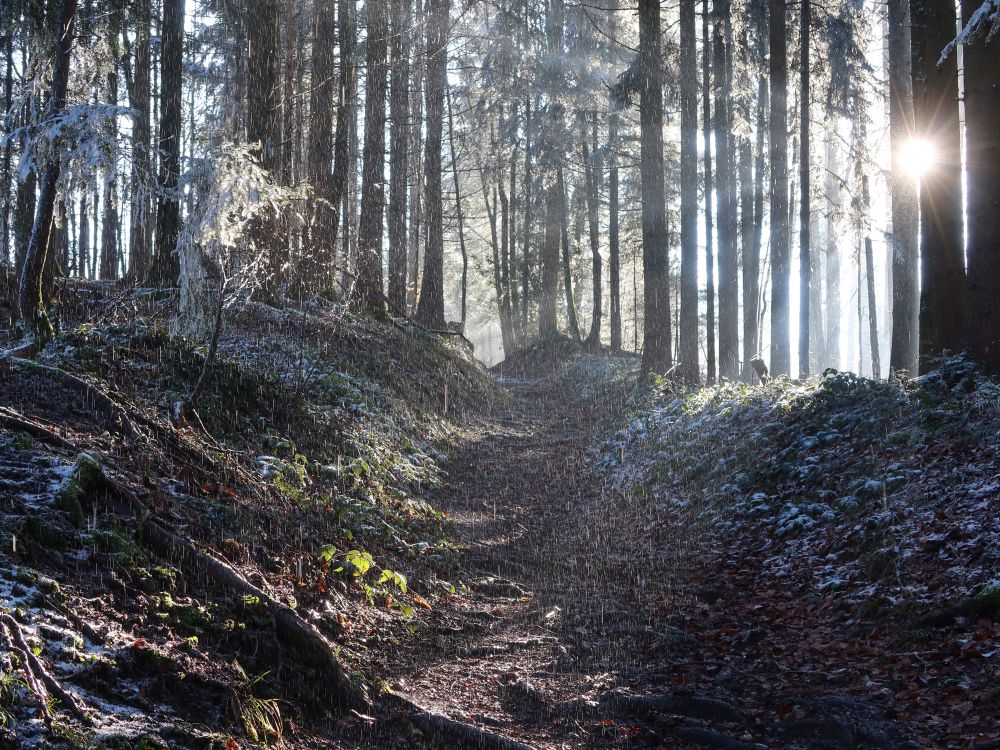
(570, 638)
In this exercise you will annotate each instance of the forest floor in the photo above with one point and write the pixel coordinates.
(553, 555)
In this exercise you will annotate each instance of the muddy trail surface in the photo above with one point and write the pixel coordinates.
(596, 615)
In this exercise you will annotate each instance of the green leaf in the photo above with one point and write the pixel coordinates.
(327, 552)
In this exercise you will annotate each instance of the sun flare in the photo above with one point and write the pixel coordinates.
(917, 157)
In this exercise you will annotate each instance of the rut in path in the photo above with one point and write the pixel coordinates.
(568, 641)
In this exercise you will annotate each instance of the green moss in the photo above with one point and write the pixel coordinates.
(84, 478)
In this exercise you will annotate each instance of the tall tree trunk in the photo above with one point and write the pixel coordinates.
(509, 252)
(872, 308)
(166, 266)
(31, 301)
(5, 160)
(752, 307)
(503, 309)
(805, 261)
(139, 96)
(833, 311)
(571, 317)
(368, 288)
(548, 302)
(982, 114)
(592, 174)
(430, 309)
(750, 253)
(109, 218)
(656, 347)
(707, 127)
(935, 104)
(527, 228)
(292, 44)
(687, 324)
(729, 354)
(399, 135)
(348, 85)
(264, 125)
(319, 150)
(614, 251)
(458, 209)
(778, 138)
(903, 195)
(417, 169)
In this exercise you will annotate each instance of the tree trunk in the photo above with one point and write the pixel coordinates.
(399, 113)
(935, 104)
(903, 196)
(31, 302)
(368, 289)
(458, 210)
(430, 309)
(706, 46)
(527, 228)
(687, 323)
(872, 309)
(591, 171)
(760, 171)
(571, 317)
(805, 261)
(982, 114)
(548, 302)
(728, 267)
(614, 252)
(778, 138)
(139, 95)
(166, 265)
(319, 150)
(656, 346)
(5, 160)
(417, 170)
(109, 217)
(750, 253)
(833, 311)
(342, 162)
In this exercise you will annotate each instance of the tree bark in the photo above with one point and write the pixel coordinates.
(591, 171)
(903, 196)
(368, 288)
(707, 127)
(319, 150)
(656, 351)
(342, 162)
(458, 210)
(729, 354)
(805, 261)
(571, 317)
(417, 170)
(982, 114)
(833, 311)
(778, 138)
(166, 265)
(687, 353)
(935, 104)
(614, 251)
(399, 135)
(139, 97)
(31, 301)
(430, 308)
(109, 216)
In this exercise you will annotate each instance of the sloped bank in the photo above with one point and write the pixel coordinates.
(232, 584)
(840, 536)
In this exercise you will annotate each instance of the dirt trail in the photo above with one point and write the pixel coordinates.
(569, 640)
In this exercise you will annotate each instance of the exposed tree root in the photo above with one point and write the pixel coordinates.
(39, 678)
(91, 394)
(14, 421)
(457, 734)
(306, 641)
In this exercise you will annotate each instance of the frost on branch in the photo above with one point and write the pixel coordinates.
(983, 25)
(218, 250)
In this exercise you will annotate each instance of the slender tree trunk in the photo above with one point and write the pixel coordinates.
(751, 257)
(614, 251)
(656, 348)
(83, 240)
(319, 150)
(707, 127)
(752, 273)
(343, 171)
(5, 160)
(458, 209)
(780, 265)
(591, 171)
(399, 113)
(729, 354)
(417, 169)
(512, 296)
(503, 308)
(430, 309)
(31, 301)
(833, 310)
(903, 196)
(548, 303)
(139, 95)
(935, 104)
(982, 115)
(872, 308)
(571, 317)
(166, 266)
(528, 227)
(805, 261)
(687, 325)
(109, 218)
(292, 43)
(368, 288)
